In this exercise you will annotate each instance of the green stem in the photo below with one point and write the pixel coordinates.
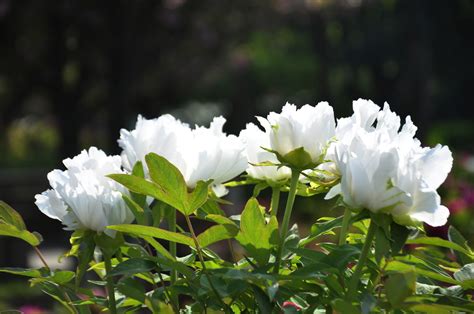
(354, 282)
(345, 225)
(110, 283)
(201, 258)
(72, 308)
(173, 251)
(275, 201)
(295, 174)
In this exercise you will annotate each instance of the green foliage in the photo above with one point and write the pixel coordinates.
(372, 271)
(146, 231)
(12, 225)
(167, 185)
(257, 236)
(400, 286)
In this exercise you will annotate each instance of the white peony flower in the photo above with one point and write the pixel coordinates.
(300, 136)
(158, 135)
(384, 168)
(200, 153)
(254, 140)
(82, 196)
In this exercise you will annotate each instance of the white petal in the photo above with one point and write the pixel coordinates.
(437, 163)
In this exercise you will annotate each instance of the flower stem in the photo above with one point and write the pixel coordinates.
(66, 296)
(295, 174)
(275, 201)
(110, 283)
(41, 257)
(354, 282)
(345, 225)
(201, 258)
(173, 251)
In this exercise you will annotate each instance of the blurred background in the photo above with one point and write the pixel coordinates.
(72, 73)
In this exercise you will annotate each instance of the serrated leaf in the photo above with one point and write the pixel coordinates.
(146, 231)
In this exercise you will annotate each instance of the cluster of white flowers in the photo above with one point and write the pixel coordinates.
(382, 166)
(82, 196)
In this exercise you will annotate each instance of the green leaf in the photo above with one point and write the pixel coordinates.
(12, 231)
(198, 196)
(382, 244)
(398, 266)
(138, 171)
(439, 308)
(167, 176)
(212, 207)
(12, 225)
(341, 255)
(262, 300)
(10, 216)
(54, 291)
(136, 209)
(160, 211)
(158, 247)
(108, 245)
(60, 277)
(133, 266)
(27, 272)
(256, 236)
(399, 235)
(84, 256)
(400, 286)
(322, 228)
(439, 242)
(144, 187)
(146, 231)
(219, 219)
(176, 265)
(217, 233)
(132, 288)
(342, 306)
(456, 237)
